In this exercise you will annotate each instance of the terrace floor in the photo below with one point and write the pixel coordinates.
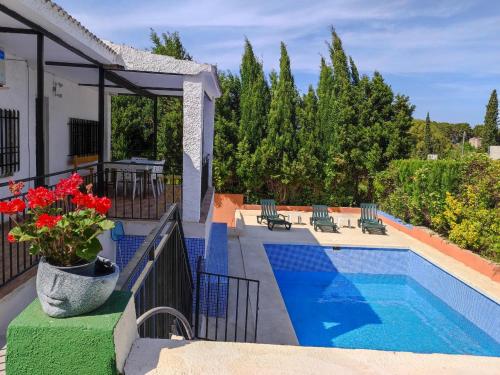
(247, 258)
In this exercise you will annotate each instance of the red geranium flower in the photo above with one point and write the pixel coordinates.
(13, 206)
(11, 238)
(40, 197)
(83, 200)
(46, 220)
(68, 186)
(102, 205)
(15, 188)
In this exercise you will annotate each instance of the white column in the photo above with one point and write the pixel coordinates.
(192, 142)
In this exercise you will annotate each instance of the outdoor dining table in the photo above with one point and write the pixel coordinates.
(136, 165)
(141, 167)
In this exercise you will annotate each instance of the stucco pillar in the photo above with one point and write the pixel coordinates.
(192, 142)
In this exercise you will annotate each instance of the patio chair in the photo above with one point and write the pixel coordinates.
(271, 216)
(321, 219)
(128, 175)
(156, 178)
(369, 220)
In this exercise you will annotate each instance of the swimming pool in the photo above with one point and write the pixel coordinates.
(385, 299)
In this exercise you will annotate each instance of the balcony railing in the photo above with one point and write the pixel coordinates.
(159, 275)
(136, 191)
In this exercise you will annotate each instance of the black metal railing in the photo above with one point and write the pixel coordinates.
(156, 192)
(227, 307)
(159, 275)
(204, 176)
(9, 142)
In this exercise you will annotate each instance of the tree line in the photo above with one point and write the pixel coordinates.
(324, 146)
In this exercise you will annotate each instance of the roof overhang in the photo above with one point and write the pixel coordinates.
(74, 53)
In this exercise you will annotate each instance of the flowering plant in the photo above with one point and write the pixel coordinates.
(65, 239)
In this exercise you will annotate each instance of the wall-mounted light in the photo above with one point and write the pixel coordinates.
(56, 86)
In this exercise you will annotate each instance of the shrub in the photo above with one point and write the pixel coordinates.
(459, 199)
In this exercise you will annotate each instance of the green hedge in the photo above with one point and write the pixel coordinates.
(459, 199)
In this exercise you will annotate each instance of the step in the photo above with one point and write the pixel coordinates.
(163, 357)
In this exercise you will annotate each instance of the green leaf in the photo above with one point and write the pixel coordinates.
(106, 224)
(34, 249)
(89, 249)
(26, 237)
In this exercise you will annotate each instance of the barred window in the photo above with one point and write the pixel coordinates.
(83, 137)
(9, 142)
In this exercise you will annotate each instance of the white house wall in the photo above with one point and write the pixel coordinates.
(76, 101)
(20, 81)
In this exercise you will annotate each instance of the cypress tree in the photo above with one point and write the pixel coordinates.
(308, 172)
(279, 146)
(325, 96)
(254, 106)
(490, 131)
(427, 149)
(354, 71)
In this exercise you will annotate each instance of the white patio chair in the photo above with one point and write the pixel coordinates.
(156, 178)
(129, 175)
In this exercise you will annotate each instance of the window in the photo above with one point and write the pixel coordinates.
(83, 137)
(9, 142)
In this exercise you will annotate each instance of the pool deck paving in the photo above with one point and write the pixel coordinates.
(247, 257)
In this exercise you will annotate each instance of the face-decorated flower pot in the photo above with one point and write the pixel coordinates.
(71, 291)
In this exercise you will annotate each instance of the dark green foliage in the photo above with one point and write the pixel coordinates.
(169, 44)
(490, 131)
(325, 146)
(427, 149)
(132, 127)
(254, 107)
(132, 117)
(446, 138)
(227, 118)
(278, 149)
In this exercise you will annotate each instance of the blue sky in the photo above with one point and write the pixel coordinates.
(444, 54)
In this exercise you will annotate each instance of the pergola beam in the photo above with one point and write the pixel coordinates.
(39, 115)
(126, 84)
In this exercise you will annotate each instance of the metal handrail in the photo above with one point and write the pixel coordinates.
(167, 310)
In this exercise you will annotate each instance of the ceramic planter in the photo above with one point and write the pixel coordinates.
(71, 291)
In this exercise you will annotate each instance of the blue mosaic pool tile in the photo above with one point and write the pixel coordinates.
(480, 310)
(216, 260)
(474, 306)
(299, 258)
(195, 249)
(369, 261)
(126, 247)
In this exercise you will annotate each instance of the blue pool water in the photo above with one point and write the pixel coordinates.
(381, 299)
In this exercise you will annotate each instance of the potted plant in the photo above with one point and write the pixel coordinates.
(62, 226)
